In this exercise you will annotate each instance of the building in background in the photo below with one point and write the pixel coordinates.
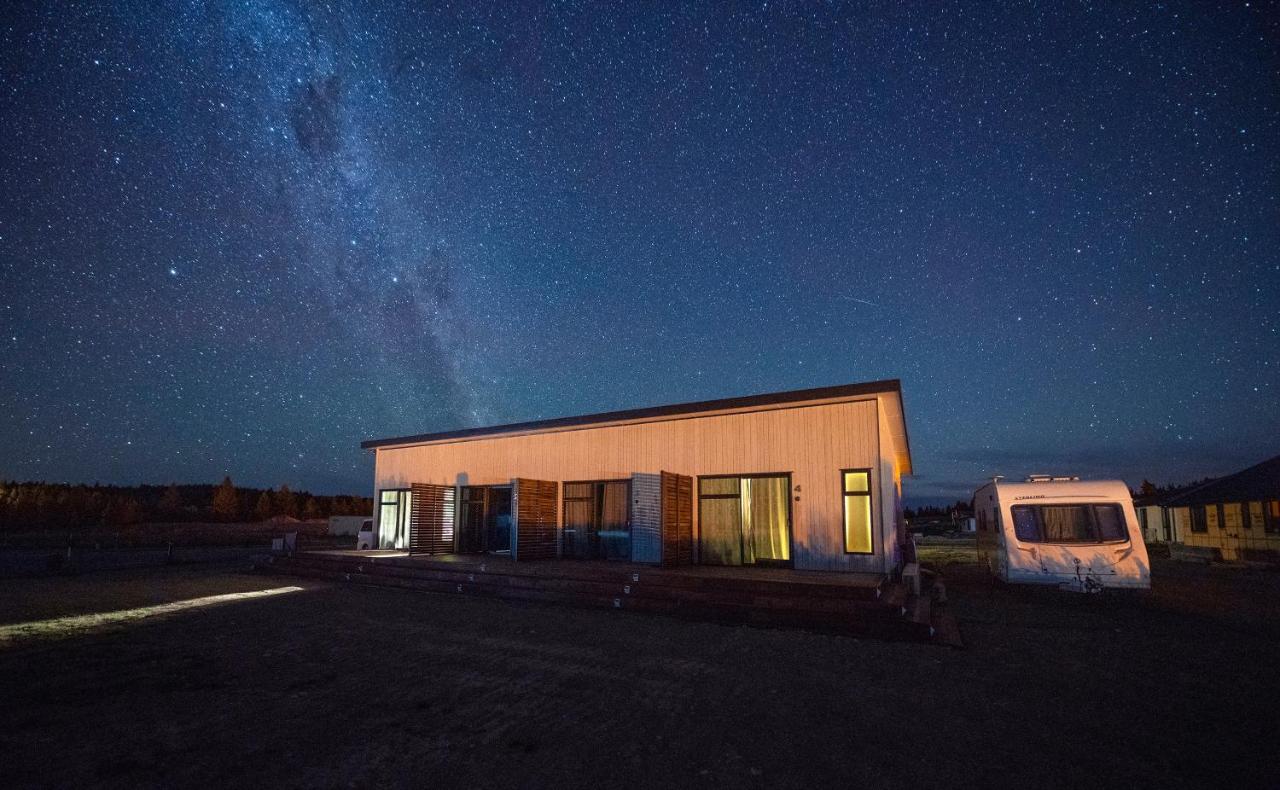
(1236, 517)
(1157, 527)
(808, 479)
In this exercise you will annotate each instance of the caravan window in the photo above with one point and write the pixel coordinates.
(1069, 523)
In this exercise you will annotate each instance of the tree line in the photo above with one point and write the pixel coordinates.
(1149, 490)
(39, 505)
(960, 509)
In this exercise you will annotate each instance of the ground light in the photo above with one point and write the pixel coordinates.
(63, 626)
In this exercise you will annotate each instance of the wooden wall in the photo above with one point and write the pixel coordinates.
(812, 443)
(893, 527)
(1226, 531)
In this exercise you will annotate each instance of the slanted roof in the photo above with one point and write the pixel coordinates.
(889, 387)
(1258, 482)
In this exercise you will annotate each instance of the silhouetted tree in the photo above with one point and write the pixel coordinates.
(122, 510)
(170, 504)
(226, 501)
(286, 502)
(265, 508)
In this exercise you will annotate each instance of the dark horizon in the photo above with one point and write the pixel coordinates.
(241, 240)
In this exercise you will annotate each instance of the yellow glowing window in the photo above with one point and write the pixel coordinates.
(1252, 515)
(857, 482)
(1211, 517)
(1231, 517)
(857, 511)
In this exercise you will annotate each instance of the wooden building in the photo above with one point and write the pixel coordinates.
(1156, 524)
(1236, 517)
(808, 479)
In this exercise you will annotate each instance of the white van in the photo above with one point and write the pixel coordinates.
(1076, 535)
(365, 538)
(346, 526)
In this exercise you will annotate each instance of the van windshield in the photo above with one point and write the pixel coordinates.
(1069, 523)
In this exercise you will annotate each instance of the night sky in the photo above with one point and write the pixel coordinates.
(241, 237)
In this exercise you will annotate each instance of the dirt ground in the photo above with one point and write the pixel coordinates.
(358, 686)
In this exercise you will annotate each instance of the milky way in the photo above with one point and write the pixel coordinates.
(240, 237)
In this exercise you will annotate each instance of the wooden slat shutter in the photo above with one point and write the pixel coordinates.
(677, 519)
(431, 519)
(535, 509)
(646, 518)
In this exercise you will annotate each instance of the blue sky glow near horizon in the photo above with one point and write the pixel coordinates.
(239, 238)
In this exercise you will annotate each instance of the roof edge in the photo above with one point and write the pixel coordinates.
(1188, 496)
(650, 412)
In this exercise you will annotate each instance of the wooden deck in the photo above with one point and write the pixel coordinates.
(859, 603)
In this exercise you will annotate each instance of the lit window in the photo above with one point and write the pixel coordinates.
(857, 511)
(1272, 516)
(393, 518)
(1230, 516)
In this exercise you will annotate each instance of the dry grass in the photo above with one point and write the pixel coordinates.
(360, 686)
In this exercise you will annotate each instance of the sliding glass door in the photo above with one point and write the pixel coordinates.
(393, 519)
(484, 521)
(745, 520)
(597, 520)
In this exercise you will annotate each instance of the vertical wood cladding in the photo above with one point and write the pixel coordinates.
(431, 516)
(677, 519)
(812, 443)
(535, 510)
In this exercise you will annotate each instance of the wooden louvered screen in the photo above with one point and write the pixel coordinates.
(431, 519)
(535, 509)
(677, 519)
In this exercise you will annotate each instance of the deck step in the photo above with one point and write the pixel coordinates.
(509, 573)
(771, 602)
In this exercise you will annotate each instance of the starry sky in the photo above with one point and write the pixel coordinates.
(242, 237)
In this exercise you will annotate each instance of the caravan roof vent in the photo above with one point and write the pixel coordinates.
(1051, 479)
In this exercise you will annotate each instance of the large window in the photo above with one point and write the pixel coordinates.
(485, 519)
(393, 518)
(597, 519)
(1069, 524)
(1199, 522)
(744, 520)
(857, 511)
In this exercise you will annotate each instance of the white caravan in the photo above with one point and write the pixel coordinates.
(1077, 535)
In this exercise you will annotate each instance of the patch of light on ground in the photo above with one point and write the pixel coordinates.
(62, 626)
